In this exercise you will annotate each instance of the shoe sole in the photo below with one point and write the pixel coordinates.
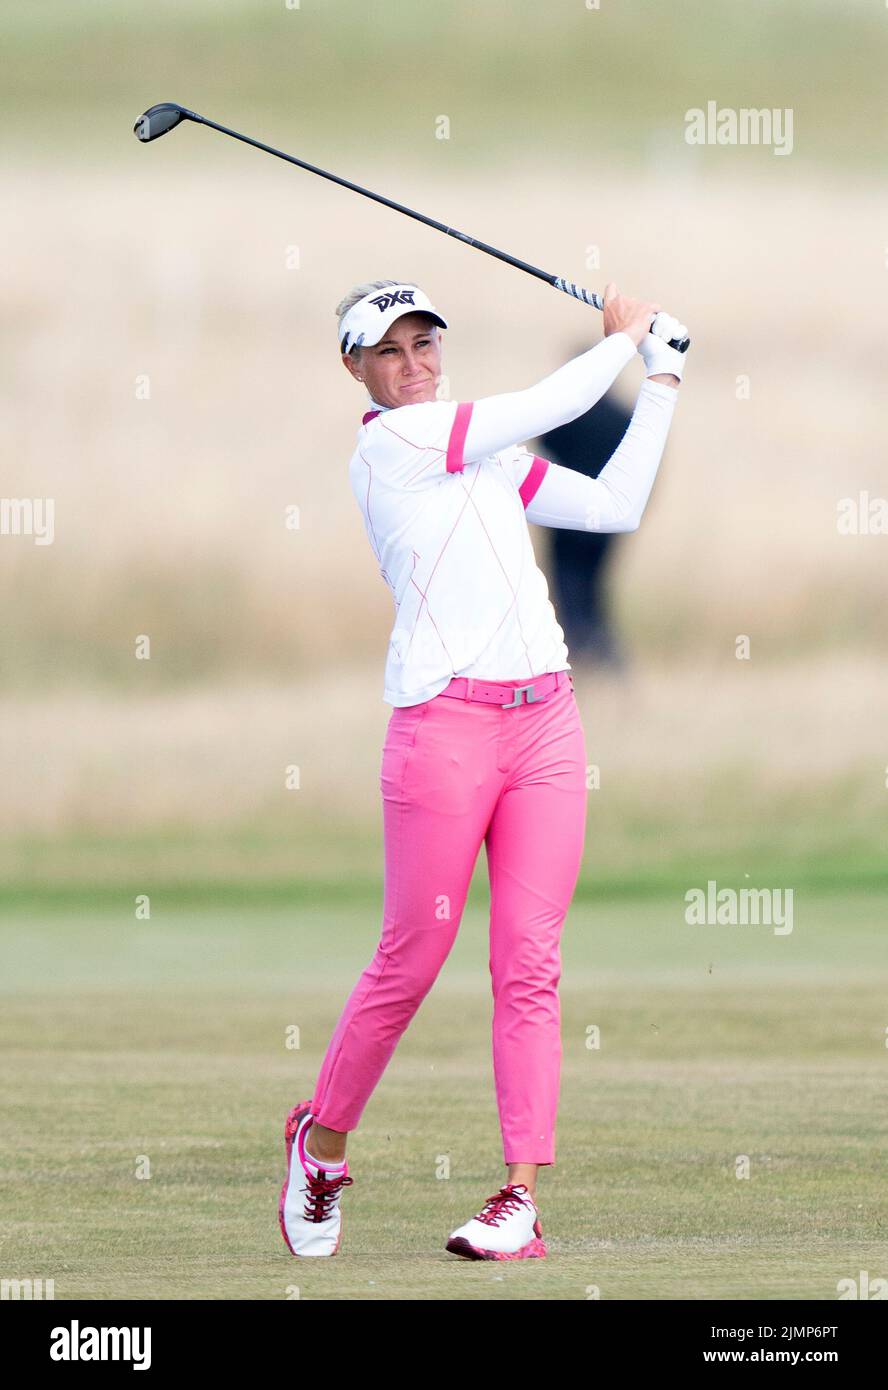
(534, 1250)
(294, 1119)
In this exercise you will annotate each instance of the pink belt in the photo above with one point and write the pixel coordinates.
(509, 696)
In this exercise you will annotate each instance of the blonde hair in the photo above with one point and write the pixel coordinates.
(359, 292)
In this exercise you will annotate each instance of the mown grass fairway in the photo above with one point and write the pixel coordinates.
(167, 1039)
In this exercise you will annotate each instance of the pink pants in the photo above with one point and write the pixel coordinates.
(456, 773)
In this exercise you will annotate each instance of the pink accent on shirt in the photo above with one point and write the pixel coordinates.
(457, 440)
(537, 473)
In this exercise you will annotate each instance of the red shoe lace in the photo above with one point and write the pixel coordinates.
(503, 1203)
(322, 1192)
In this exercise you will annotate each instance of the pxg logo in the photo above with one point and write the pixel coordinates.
(389, 297)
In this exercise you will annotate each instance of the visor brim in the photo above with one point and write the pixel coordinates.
(429, 313)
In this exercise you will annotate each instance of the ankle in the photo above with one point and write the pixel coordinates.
(325, 1145)
(527, 1180)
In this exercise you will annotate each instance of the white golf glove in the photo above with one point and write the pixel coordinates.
(654, 347)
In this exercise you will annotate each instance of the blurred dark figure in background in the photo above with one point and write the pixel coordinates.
(582, 559)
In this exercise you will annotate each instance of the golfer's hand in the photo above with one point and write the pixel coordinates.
(659, 357)
(622, 315)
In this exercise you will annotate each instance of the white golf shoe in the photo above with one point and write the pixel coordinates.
(308, 1210)
(506, 1228)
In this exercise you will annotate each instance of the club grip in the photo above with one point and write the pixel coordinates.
(595, 300)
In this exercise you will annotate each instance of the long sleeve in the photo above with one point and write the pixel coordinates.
(616, 499)
(497, 422)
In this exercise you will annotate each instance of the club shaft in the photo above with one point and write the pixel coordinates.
(556, 281)
(380, 198)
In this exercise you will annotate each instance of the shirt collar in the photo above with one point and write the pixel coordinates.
(373, 410)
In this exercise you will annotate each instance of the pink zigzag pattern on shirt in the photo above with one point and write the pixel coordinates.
(530, 484)
(422, 449)
(513, 591)
(424, 592)
(367, 503)
(429, 612)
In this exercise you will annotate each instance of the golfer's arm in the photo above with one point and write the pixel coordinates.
(497, 422)
(616, 499)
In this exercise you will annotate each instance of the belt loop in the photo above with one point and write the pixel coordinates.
(470, 688)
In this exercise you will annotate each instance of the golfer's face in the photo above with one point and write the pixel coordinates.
(405, 366)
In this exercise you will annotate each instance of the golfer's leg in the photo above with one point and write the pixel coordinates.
(534, 851)
(439, 784)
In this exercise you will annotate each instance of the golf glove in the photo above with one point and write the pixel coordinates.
(654, 347)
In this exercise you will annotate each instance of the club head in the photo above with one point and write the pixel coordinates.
(157, 120)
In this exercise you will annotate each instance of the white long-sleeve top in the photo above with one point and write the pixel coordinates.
(446, 490)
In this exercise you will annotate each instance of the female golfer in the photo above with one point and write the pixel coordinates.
(484, 742)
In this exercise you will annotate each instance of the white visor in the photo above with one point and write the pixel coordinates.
(367, 321)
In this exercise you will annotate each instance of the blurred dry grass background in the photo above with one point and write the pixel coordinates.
(171, 511)
(170, 262)
(727, 770)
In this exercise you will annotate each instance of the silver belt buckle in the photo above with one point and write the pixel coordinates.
(520, 690)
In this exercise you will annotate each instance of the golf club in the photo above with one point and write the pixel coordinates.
(157, 120)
